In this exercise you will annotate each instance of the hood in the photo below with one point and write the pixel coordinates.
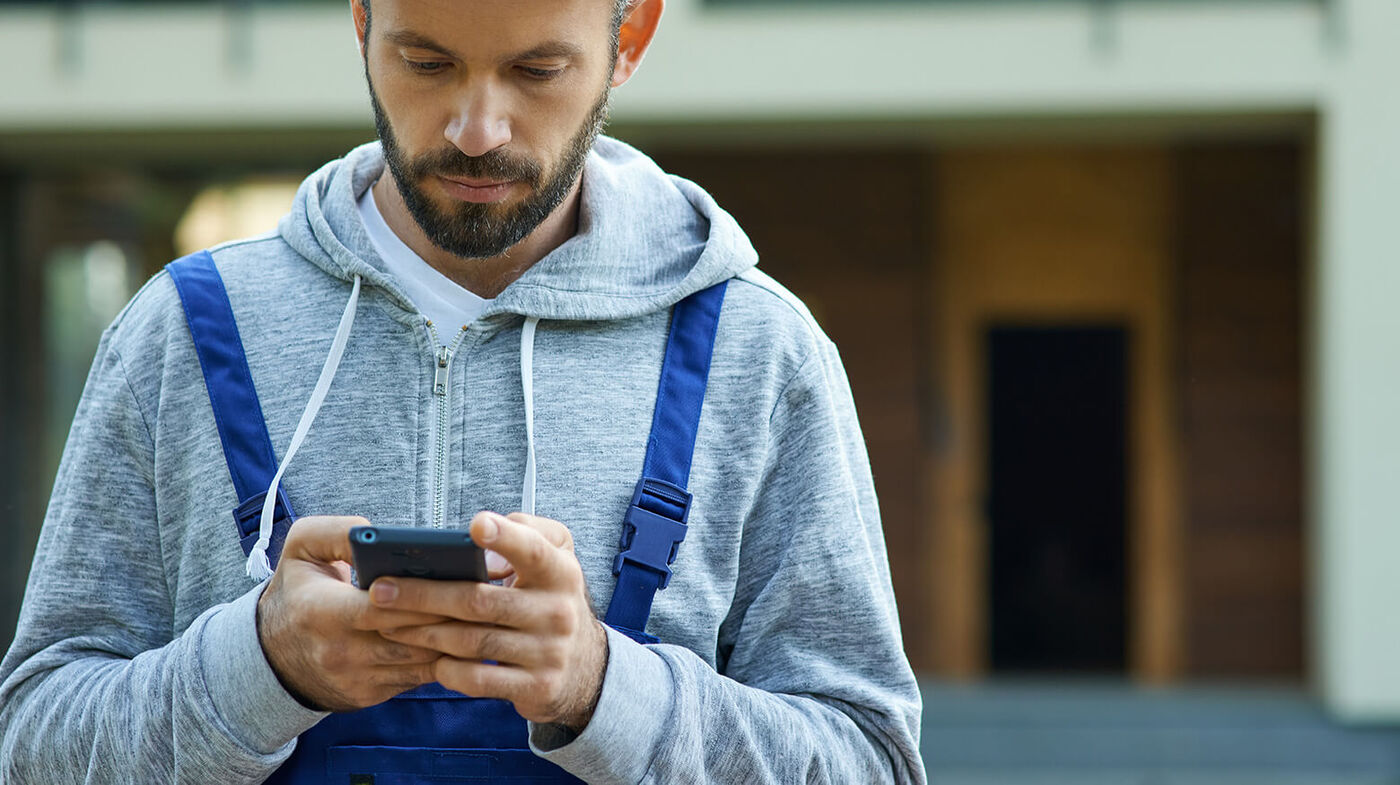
(645, 240)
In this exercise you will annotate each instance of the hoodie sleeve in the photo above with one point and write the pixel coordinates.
(98, 687)
(813, 684)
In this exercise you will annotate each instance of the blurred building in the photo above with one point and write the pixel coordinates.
(1114, 282)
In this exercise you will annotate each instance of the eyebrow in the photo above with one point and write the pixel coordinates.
(414, 40)
(545, 51)
(548, 50)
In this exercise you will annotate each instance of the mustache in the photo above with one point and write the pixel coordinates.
(495, 165)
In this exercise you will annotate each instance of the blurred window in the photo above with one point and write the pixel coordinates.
(234, 211)
(85, 287)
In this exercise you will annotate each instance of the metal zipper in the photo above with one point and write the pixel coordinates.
(442, 364)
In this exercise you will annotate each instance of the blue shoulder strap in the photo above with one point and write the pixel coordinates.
(655, 522)
(247, 447)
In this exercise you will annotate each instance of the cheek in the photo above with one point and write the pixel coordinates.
(562, 119)
(417, 114)
(416, 127)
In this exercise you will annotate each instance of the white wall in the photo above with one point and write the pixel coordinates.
(159, 66)
(1357, 380)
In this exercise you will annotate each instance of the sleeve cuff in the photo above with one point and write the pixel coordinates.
(633, 712)
(257, 711)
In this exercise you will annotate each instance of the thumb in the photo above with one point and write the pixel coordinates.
(555, 532)
(321, 538)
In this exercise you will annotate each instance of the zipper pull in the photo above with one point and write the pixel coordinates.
(444, 355)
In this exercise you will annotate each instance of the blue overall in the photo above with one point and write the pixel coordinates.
(432, 734)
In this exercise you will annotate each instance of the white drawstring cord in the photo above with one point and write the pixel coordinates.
(258, 567)
(527, 384)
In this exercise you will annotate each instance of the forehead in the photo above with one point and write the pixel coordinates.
(496, 25)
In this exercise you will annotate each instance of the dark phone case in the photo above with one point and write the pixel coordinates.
(408, 552)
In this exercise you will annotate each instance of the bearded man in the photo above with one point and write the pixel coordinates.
(491, 294)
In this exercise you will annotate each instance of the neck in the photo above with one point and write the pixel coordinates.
(483, 277)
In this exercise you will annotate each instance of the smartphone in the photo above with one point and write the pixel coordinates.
(410, 552)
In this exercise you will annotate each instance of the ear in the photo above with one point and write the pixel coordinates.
(637, 31)
(357, 10)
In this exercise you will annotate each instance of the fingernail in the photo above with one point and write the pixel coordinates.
(495, 561)
(489, 527)
(384, 591)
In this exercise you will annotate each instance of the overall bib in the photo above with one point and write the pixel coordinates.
(432, 734)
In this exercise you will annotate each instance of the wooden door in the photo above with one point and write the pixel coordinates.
(1055, 237)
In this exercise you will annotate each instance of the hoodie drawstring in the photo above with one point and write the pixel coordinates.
(258, 567)
(527, 384)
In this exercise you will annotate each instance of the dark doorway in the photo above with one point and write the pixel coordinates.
(1057, 501)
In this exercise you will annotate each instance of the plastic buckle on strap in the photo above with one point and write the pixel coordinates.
(653, 528)
(248, 514)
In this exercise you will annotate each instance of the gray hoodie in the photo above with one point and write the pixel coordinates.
(137, 656)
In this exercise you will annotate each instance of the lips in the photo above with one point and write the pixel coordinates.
(480, 191)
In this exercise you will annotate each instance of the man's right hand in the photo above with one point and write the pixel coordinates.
(321, 634)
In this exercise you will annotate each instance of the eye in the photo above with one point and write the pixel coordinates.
(541, 74)
(425, 66)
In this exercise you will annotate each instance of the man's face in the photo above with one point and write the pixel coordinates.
(487, 110)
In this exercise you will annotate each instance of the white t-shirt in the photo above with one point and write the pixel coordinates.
(442, 300)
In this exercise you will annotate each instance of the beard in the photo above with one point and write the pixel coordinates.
(482, 231)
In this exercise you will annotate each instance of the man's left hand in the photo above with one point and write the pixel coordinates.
(550, 650)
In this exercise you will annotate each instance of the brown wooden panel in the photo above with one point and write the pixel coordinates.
(1239, 307)
(845, 232)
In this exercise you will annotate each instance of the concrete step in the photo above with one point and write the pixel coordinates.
(1086, 733)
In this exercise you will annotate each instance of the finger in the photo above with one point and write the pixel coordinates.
(354, 608)
(497, 568)
(480, 680)
(537, 560)
(467, 641)
(342, 570)
(381, 651)
(321, 538)
(555, 532)
(351, 608)
(464, 601)
(372, 618)
(392, 680)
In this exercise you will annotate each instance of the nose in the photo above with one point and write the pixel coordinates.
(481, 123)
